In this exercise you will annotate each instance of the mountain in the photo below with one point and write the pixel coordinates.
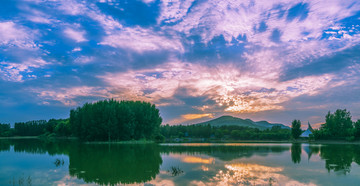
(230, 120)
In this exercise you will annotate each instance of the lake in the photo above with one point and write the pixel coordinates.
(33, 162)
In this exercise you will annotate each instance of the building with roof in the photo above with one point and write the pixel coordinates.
(306, 133)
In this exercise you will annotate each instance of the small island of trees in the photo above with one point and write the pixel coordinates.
(115, 120)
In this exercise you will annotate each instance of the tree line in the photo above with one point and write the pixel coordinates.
(101, 121)
(337, 126)
(53, 127)
(226, 132)
(111, 120)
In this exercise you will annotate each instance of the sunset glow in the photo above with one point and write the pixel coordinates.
(254, 174)
(195, 60)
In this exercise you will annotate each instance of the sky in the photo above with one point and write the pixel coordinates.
(195, 59)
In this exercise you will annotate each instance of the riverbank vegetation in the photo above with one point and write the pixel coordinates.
(53, 127)
(118, 121)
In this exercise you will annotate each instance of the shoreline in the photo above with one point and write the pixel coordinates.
(38, 137)
(20, 137)
(268, 141)
(120, 142)
(189, 142)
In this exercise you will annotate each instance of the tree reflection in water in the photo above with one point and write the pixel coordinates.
(115, 164)
(101, 164)
(296, 152)
(175, 171)
(129, 164)
(4, 145)
(338, 158)
(225, 152)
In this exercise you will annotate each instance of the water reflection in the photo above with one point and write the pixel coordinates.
(175, 171)
(100, 164)
(114, 164)
(338, 158)
(194, 159)
(296, 152)
(35, 146)
(249, 164)
(248, 174)
(4, 145)
(59, 162)
(311, 149)
(225, 152)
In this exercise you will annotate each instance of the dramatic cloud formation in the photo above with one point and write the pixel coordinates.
(14, 35)
(196, 60)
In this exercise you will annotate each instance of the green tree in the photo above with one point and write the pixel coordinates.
(219, 133)
(296, 129)
(339, 124)
(357, 128)
(296, 153)
(115, 120)
(30, 128)
(5, 130)
(62, 128)
(236, 134)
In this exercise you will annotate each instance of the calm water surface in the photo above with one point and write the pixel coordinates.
(32, 162)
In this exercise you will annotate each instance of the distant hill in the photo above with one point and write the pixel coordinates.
(230, 120)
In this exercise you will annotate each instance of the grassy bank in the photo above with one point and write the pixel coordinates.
(190, 141)
(20, 137)
(335, 142)
(42, 137)
(121, 142)
(38, 137)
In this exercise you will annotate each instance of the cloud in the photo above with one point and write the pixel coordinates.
(142, 40)
(15, 71)
(12, 34)
(287, 21)
(72, 7)
(38, 16)
(84, 59)
(192, 57)
(78, 36)
(39, 19)
(76, 49)
(174, 11)
(228, 87)
(148, 1)
(243, 173)
(68, 96)
(137, 38)
(196, 116)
